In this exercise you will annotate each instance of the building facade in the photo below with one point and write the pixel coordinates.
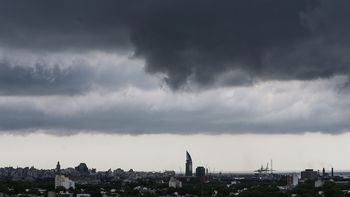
(309, 174)
(188, 164)
(200, 171)
(292, 180)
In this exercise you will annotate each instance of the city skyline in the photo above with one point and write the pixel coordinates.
(199, 171)
(109, 152)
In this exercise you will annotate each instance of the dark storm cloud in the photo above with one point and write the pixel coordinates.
(193, 41)
(262, 40)
(75, 78)
(44, 80)
(61, 25)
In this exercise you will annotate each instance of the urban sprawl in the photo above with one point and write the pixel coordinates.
(82, 181)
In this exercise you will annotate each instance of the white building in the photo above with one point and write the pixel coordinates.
(173, 182)
(83, 195)
(62, 181)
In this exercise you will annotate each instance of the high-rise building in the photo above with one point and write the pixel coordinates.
(200, 171)
(292, 180)
(188, 164)
(309, 174)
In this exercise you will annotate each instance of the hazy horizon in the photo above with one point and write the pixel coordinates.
(237, 153)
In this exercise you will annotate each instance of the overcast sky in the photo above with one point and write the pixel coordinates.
(181, 67)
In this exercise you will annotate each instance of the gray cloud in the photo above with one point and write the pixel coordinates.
(305, 107)
(61, 25)
(74, 74)
(194, 42)
(77, 66)
(44, 80)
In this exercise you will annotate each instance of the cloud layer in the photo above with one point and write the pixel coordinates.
(193, 43)
(274, 107)
(259, 66)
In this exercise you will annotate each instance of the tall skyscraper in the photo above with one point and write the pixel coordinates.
(188, 164)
